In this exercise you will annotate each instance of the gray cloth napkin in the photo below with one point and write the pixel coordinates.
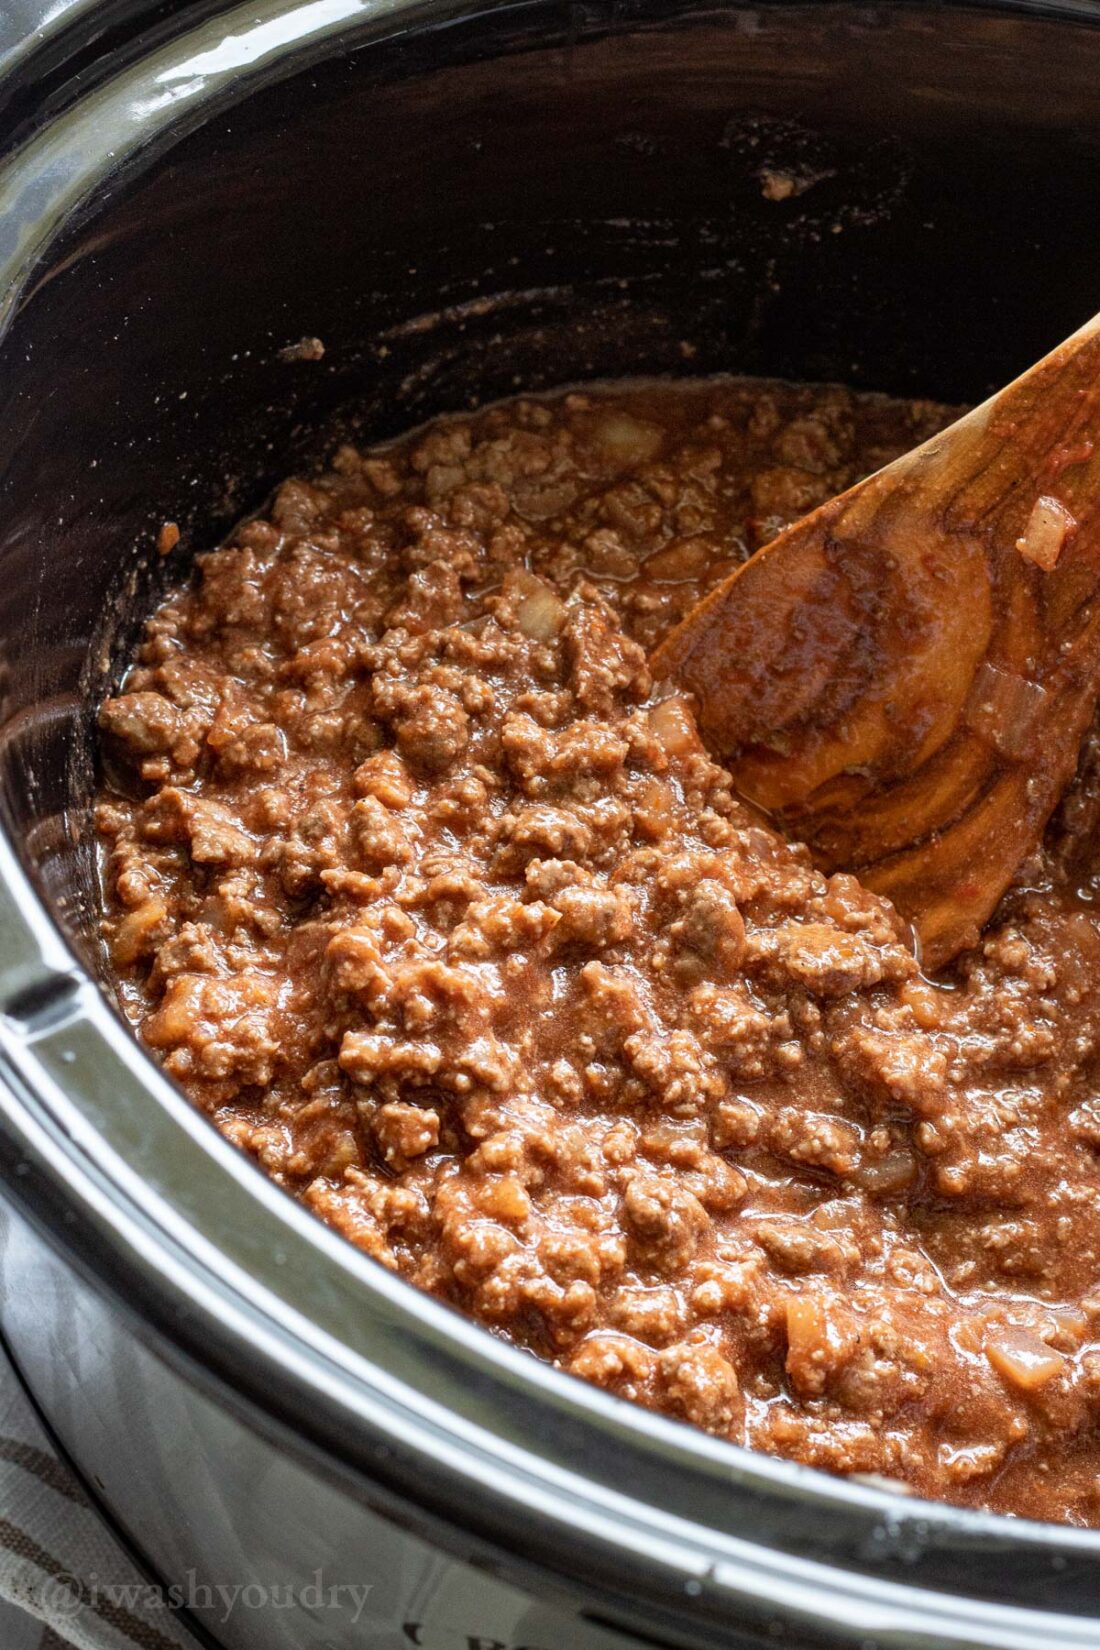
(64, 1580)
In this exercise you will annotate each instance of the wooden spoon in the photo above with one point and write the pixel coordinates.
(903, 678)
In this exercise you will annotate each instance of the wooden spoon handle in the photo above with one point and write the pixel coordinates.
(895, 675)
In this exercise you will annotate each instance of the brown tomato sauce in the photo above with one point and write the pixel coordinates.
(432, 900)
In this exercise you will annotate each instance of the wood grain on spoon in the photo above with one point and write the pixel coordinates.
(903, 678)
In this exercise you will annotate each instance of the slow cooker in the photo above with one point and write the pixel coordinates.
(456, 199)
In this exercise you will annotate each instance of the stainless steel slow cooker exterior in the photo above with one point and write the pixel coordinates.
(455, 199)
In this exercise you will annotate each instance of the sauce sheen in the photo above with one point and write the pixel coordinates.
(431, 898)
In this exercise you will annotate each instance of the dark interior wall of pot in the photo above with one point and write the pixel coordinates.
(903, 199)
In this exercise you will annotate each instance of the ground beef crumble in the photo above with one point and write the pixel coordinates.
(431, 898)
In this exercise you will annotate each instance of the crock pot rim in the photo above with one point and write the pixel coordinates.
(49, 1004)
(29, 29)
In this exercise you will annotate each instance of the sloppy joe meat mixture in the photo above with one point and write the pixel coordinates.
(431, 898)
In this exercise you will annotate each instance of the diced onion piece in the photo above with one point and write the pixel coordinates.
(686, 558)
(969, 1335)
(628, 439)
(1023, 1359)
(807, 1327)
(674, 727)
(655, 810)
(923, 1003)
(137, 933)
(539, 612)
(385, 776)
(168, 538)
(891, 1173)
(536, 499)
(1070, 1326)
(777, 186)
(818, 1346)
(506, 1199)
(1003, 709)
(1048, 527)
